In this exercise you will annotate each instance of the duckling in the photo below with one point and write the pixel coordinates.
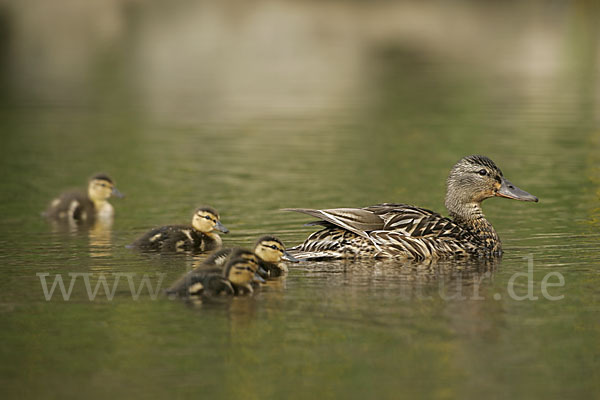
(233, 279)
(82, 207)
(269, 250)
(226, 255)
(404, 231)
(219, 258)
(199, 236)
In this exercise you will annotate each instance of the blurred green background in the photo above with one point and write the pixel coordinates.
(253, 106)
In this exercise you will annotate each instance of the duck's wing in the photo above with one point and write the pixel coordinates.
(217, 285)
(205, 283)
(216, 259)
(357, 220)
(175, 238)
(181, 287)
(414, 221)
(420, 233)
(71, 205)
(397, 244)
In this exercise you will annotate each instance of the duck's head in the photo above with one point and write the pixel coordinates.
(241, 271)
(272, 250)
(101, 187)
(476, 178)
(206, 220)
(243, 254)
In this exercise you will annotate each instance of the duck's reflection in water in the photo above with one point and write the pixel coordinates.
(446, 279)
(365, 280)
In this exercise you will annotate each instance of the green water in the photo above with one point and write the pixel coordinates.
(300, 104)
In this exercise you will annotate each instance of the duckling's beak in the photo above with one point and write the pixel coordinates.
(262, 272)
(116, 193)
(258, 278)
(288, 257)
(510, 191)
(220, 227)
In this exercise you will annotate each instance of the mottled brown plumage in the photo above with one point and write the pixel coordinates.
(404, 231)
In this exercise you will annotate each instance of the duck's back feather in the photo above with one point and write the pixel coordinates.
(357, 220)
(403, 231)
(216, 259)
(71, 205)
(201, 283)
(172, 238)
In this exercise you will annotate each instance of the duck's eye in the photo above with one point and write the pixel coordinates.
(103, 184)
(206, 217)
(482, 172)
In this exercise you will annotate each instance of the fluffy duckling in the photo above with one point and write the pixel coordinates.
(217, 267)
(218, 259)
(233, 279)
(269, 250)
(85, 207)
(199, 236)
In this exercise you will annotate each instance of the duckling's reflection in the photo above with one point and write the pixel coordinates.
(347, 284)
(274, 285)
(240, 310)
(98, 232)
(100, 238)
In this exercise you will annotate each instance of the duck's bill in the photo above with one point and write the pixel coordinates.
(220, 227)
(262, 272)
(258, 278)
(288, 257)
(510, 191)
(116, 193)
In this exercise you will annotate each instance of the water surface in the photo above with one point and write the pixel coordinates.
(302, 104)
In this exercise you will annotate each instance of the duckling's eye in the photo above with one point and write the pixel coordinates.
(482, 172)
(206, 217)
(103, 184)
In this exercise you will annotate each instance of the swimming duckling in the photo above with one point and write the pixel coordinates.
(199, 236)
(180, 286)
(219, 258)
(233, 279)
(82, 207)
(269, 250)
(403, 231)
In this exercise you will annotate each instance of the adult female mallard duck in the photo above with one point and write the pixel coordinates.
(85, 207)
(234, 278)
(199, 236)
(404, 231)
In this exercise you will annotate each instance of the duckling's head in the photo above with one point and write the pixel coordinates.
(244, 254)
(240, 271)
(206, 220)
(101, 187)
(476, 178)
(271, 249)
